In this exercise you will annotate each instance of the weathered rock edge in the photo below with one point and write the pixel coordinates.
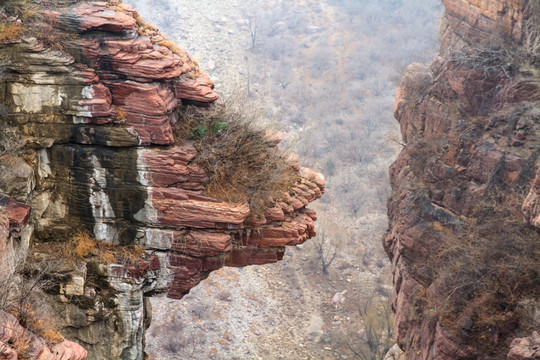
(440, 109)
(100, 154)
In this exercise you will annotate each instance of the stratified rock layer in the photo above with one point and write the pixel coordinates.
(101, 156)
(470, 122)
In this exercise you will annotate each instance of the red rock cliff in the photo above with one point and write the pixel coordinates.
(97, 120)
(471, 124)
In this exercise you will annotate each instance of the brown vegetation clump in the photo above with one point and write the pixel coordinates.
(20, 296)
(121, 115)
(485, 274)
(30, 18)
(83, 246)
(10, 31)
(238, 157)
(37, 322)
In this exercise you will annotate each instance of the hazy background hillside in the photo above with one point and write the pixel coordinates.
(324, 72)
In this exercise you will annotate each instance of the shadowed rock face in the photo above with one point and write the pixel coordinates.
(98, 125)
(469, 122)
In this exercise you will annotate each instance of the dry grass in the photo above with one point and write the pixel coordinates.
(85, 246)
(20, 296)
(121, 115)
(487, 271)
(34, 21)
(237, 156)
(10, 31)
(82, 247)
(37, 322)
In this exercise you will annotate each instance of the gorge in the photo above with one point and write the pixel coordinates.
(93, 156)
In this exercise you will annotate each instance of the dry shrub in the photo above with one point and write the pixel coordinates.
(33, 20)
(82, 246)
(121, 115)
(486, 272)
(10, 31)
(37, 322)
(237, 155)
(20, 296)
(47, 32)
(370, 335)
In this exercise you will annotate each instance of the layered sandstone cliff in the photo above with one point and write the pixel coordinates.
(468, 175)
(97, 122)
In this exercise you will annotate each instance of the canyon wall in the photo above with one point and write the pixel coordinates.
(96, 115)
(470, 124)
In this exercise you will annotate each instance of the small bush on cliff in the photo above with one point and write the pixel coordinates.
(30, 18)
(20, 296)
(10, 31)
(238, 156)
(82, 246)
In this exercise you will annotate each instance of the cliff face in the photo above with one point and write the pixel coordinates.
(97, 121)
(471, 124)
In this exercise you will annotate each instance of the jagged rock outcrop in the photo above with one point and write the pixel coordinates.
(471, 125)
(97, 121)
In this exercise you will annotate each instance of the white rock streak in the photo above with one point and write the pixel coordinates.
(101, 206)
(148, 213)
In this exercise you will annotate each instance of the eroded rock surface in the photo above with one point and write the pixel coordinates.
(100, 154)
(471, 124)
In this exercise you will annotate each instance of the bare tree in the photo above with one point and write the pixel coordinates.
(253, 24)
(326, 249)
(375, 338)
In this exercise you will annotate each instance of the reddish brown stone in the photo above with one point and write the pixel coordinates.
(195, 213)
(13, 337)
(97, 101)
(153, 99)
(16, 212)
(199, 89)
(244, 256)
(525, 348)
(203, 244)
(99, 16)
(502, 17)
